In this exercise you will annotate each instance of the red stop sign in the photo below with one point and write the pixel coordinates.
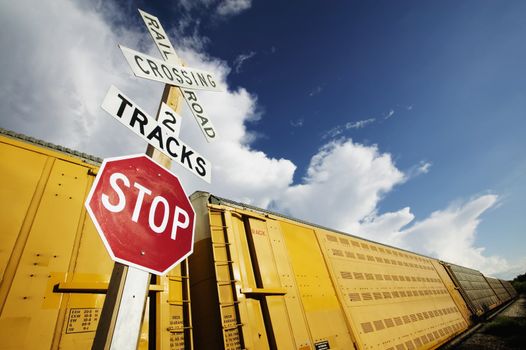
(141, 213)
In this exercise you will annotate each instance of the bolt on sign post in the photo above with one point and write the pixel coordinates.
(139, 208)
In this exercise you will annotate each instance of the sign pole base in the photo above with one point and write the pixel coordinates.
(121, 319)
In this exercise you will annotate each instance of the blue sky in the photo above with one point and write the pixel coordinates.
(402, 122)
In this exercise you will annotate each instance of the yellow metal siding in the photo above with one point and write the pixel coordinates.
(54, 267)
(303, 287)
(90, 265)
(288, 319)
(257, 281)
(21, 175)
(453, 291)
(216, 273)
(477, 293)
(393, 299)
(46, 254)
(499, 289)
(323, 312)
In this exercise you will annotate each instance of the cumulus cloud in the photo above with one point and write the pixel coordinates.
(344, 183)
(53, 88)
(64, 82)
(385, 227)
(450, 234)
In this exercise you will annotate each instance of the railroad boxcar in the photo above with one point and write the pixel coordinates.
(256, 280)
(259, 280)
(477, 293)
(54, 267)
(498, 289)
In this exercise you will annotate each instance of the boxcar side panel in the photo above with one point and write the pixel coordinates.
(499, 289)
(304, 287)
(453, 291)
(394, 299)
(54, 267)
(46, 255)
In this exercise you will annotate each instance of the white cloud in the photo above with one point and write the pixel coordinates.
(450, 235)
(514, 269)
(344, 183)
(424, 167)
(339, 129)
(52, 89)
(390, 114)
(190, 4)
(359, 124)
(240, 60)
(233, 7)
(386, 227)
(332, 133)
(421, 168)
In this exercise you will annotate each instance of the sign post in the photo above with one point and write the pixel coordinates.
(121, 318)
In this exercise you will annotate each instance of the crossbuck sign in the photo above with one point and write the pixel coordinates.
(163, 133)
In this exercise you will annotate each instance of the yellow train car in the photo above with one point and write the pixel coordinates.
(509, 288)
(256, 280)
(263, 281)
(499, 289)
(54, 268)
(477, 293)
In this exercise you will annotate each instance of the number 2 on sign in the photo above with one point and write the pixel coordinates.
(170, 119)
(157, 202)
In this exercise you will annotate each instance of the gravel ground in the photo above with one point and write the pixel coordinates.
(517, 309)
(481, 341)
(502, 339)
